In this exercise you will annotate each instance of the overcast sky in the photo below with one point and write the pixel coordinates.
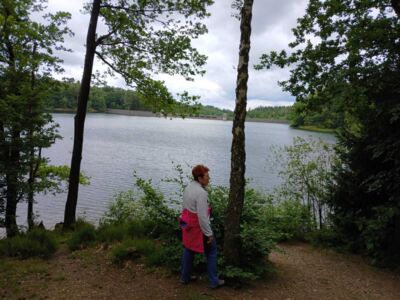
(271, 30)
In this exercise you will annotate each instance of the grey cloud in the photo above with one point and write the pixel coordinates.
(271, 30)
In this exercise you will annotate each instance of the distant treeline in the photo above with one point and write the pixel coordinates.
(270, 113)
(65, 95)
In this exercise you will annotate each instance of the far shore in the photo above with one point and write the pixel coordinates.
(138, 113)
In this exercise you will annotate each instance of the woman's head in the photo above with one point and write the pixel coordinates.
(200, 174)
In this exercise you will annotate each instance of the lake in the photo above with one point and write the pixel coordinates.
(115, 146)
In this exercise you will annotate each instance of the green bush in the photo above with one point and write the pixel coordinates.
(141, 228)
(124, 251)
(125, 207)
(326, 236)
(158, 220)
(257, 239)
(83, 236)
(108, 233)
(290, 220)
(132, 249)
(35, 243)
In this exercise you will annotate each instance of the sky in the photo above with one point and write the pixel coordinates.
(271, 30)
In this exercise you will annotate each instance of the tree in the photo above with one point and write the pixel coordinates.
(26, 61)
(238, 153)
(306, 170)
(143, 37)
(347, 54)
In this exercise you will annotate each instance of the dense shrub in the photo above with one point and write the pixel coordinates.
(366, 200)
(108, 233)
(327, 237)
(83, 236)
(34, 243)
(136, 248)
(289, 220)
(265, 220)
(125, 207)
(158, 220)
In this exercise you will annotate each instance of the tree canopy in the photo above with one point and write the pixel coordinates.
(346, 59)
(345, 56)
(26, 63)
(142, 38)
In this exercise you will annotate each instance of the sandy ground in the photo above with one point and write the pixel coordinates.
(303, 273)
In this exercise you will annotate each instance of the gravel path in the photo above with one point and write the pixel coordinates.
(303, 273)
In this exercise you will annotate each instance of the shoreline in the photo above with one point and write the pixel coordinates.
(139, 113)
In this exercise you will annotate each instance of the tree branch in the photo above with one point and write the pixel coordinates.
(103, 37)
(115, 43)
(121, 7)
(102, 58)
(396, 7)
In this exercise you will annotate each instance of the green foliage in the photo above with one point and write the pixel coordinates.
(108, 233)
(27, 61)
(270, 113)
(346, 62)
(53, 179)
(34, 243)
(306, 170)
(83, 236)
(135, 248)
(289, 220)
(158, 220)
(125, 207)
(130, 228)
(147, 37)
(327, 237)
(345, 57)
(100, 98)
(257, 239)
(366, 202)
(323, 117)
(208, 110)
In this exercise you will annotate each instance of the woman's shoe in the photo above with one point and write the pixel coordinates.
(220, 283)
(192, 278)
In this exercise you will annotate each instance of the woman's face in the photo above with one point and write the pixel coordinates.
(204, 180)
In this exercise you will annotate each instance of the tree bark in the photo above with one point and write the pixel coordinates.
(232, 242)
(12, 169)
(32, 173)
(396, 7)
(72, 198)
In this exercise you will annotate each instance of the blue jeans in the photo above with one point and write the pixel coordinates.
(210, 251)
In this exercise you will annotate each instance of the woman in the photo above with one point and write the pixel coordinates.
(197, 236)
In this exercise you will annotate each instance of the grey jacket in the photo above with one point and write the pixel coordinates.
(195, 199)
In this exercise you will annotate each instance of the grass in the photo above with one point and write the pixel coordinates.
(83, 237)
(35, 243)
(14, 271)
(132, 249)
(316, 129)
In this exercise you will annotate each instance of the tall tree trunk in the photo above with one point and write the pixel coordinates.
(31, 182)
(3, 156)
(232, 242)
(72, 198)
(12, 170)
(32, 172)
(396, 6)
(33, 169)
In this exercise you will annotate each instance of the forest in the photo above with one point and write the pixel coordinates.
(64, 97)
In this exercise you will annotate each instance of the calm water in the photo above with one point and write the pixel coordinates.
(115, 146)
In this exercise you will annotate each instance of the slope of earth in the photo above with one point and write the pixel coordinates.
(303, 273)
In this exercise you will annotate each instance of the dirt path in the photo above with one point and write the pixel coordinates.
(303, 273)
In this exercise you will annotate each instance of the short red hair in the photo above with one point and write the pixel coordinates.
(199, 171)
